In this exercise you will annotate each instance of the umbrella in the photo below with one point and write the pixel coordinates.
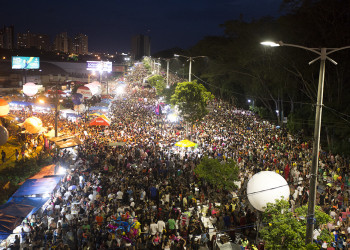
(185, 144)
(72, 187)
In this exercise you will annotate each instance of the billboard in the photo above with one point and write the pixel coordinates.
(24, 62)
(99, 66)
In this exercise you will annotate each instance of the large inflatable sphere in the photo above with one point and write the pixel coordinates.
(265, 187)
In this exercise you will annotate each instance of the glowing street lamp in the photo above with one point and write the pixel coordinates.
(322, 55)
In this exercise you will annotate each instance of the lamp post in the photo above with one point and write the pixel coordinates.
(323, 55)
(189, 58)
(56, 111)
(167, 70)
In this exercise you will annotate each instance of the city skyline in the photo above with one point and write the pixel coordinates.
(110, 26)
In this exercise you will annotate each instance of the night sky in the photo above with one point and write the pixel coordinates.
(110, 24)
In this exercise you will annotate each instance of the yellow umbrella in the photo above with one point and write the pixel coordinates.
(185, 144)
(95, 114)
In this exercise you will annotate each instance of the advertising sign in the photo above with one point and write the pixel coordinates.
(99, 66)
(23, 62)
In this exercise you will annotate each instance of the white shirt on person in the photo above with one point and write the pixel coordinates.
(153, 228)
(161, 226)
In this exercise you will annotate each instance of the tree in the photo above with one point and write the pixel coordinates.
(192, 99)
(158, 83)
(220, 175)
(286, 230)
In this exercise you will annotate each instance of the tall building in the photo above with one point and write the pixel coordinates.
(32, 40)
(62, 42)
(7, 37)
(140, 46)
(80, 44)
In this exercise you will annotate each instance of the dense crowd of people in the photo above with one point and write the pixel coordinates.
(143, 193)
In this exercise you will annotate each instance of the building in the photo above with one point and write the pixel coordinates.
(62, 43)
(32, 40)
(80, 44)
(140, 46)
(7, 37)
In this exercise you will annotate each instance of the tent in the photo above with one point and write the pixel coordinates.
(24, 202)
(97, 108)
(37, 187)
(68, 111)
(61, 138)
(185, 144)
(106, 118)
(51, 134)
(72, 142)
(100, 121)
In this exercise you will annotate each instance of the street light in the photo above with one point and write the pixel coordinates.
(167, 70)
(323, 55)
(190, 58)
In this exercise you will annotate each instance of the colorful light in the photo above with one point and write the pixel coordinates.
(4, 107)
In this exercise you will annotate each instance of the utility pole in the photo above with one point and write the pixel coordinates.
(56, 110)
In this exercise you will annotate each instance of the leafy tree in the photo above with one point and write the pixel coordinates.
(146, 63)
(220, 175)
(192, 99)
(286, 230)
(158, 83)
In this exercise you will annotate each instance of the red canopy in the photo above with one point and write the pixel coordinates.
(99, 121)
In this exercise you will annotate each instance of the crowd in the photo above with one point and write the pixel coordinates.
(144, 194)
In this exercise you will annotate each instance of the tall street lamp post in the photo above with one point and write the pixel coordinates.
(323, 55)
(189, 58)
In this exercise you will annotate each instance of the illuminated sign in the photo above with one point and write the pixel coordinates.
(99, 66)
(23, 62)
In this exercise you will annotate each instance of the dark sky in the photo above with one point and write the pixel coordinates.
(110, 24)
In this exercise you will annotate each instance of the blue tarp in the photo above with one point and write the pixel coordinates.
(35, 202)
(19, 207)
(21, 103)
(37, 186)
(97, 108)
(15, 210)
(11, 215)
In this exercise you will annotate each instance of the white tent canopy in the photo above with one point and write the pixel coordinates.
(68, 111)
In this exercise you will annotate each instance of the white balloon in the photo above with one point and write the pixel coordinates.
(265, 187)
(33, 125)
(30, 89)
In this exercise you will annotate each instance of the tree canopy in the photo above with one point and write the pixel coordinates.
(286, 230)
(220, 175)
(192, 99)
(158, 82)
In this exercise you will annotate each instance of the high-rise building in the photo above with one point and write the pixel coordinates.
(80, 44)
(32, 40)
(7, 37)
(62, 42)
(140, 46)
